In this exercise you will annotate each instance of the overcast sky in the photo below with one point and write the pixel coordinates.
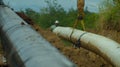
(93, 5)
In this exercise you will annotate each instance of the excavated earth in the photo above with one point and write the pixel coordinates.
(81, 57)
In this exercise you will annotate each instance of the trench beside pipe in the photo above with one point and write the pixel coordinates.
(24, 47)
(105, 47)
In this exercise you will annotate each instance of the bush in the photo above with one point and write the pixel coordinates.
(109, 16)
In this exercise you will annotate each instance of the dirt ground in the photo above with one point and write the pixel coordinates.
(2, 59)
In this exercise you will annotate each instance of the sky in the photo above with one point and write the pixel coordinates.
(93, 5)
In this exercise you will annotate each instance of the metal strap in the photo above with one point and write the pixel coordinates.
(78, 42)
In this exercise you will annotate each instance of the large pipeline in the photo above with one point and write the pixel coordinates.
(24, 47)
(105, 47)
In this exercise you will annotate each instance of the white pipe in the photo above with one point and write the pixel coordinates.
(105, 47)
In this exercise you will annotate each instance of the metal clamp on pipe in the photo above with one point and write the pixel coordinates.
(77, 44)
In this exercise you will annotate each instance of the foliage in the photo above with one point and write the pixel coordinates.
(109, 16)
(47, 16)
(90, 19)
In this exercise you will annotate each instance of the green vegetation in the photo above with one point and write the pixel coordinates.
(108, 18)
(47, 16)
(110, 15)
